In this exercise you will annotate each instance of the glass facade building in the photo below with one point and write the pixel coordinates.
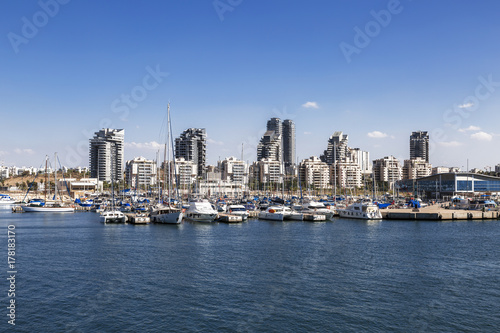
(450, 184)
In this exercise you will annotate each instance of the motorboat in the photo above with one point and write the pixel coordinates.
(201, 211)
(6, 200)
(273, 213)
(314, 207)
(239, 210)
(361, 210)
(112, 216)
(167, 214)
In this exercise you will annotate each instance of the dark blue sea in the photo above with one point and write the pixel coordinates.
(75, 274)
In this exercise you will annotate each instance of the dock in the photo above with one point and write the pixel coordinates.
(17, 209)
(437, 213)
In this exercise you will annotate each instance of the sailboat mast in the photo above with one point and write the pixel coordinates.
(169, 185)
(164, 169)
(335, 171)
(55, 176)
(46, 177)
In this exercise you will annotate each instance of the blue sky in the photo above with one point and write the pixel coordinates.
(423, 65)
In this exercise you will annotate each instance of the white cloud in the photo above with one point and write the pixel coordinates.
(449, 144)
(3, 153)
(466, 105)
(310, 105)
(213, 142)
(307, 133)
(470, 128)
(24, 151)
(146, 145)
(377, 135)
(481, 136)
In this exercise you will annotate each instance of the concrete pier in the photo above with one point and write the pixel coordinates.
(436, 213)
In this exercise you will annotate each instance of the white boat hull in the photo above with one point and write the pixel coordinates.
(112, 217)
(201, 217)
(271, 216)
(168, 218)
(44, 209)
(294, 217)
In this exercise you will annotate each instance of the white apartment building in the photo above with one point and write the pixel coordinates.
(314, 173)
(416, 168)
(266, 171)
(185, 173)
(362, 159)
(106, 154)
(140, 173)
(349, 175)
(387, 169)
(234, 170)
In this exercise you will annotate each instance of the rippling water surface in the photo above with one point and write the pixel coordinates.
(78, 275)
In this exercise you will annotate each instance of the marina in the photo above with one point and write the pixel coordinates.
(203, 212)
(255, 276)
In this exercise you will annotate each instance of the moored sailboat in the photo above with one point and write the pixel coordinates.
(167, 212)
(48, 206)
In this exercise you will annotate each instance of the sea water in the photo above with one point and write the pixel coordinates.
(74, 274)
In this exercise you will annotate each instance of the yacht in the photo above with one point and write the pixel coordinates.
(201, 211)
(56, 208)
(314, 207)
(239, 210)
(41, 206)
(167, 214)
(274, 213)
(6, 200)
(112, 216)
(291, 214)
(361, 210)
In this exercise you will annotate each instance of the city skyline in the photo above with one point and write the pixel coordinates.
(229, 71)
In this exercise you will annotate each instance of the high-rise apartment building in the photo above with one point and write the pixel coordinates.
(337, 149)
(270, 145)
(278, 143)
(274, 124)
(288, 142)
(106, 155)
(419, 145)
(192, 146)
